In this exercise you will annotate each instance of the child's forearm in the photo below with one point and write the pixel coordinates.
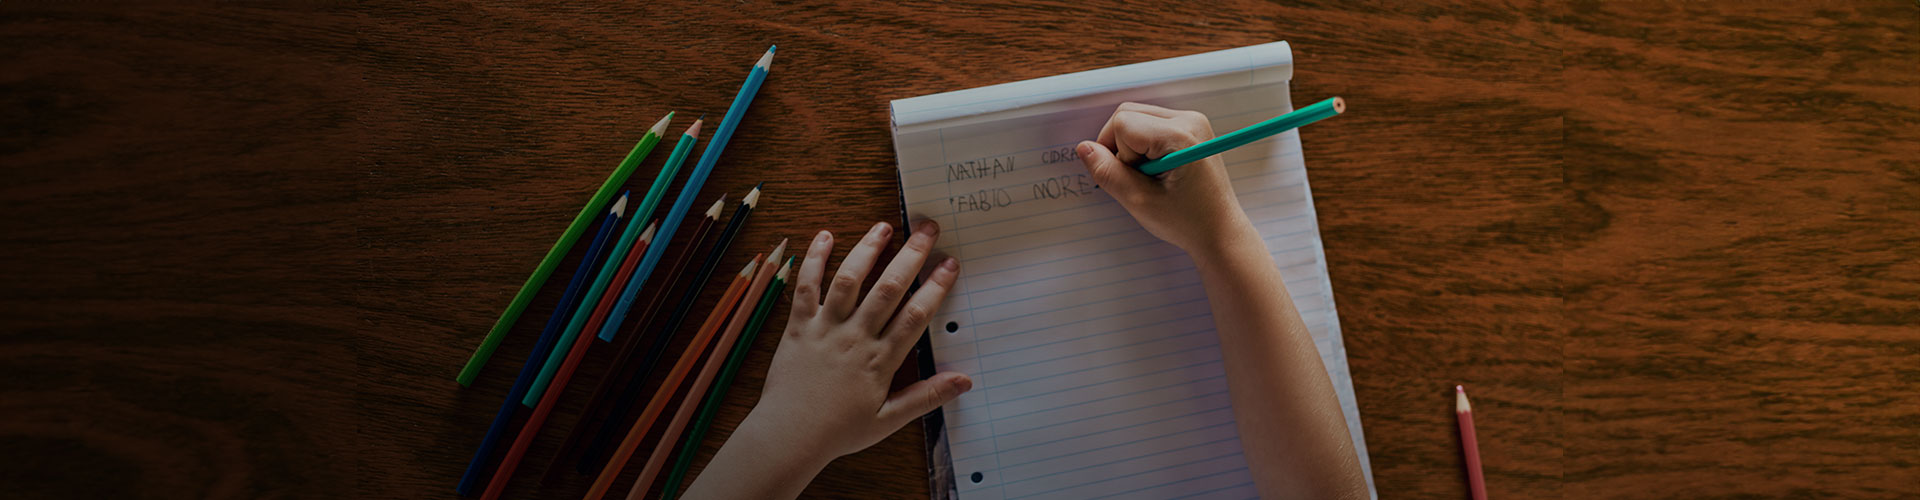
(759, 461)
(1290, 422)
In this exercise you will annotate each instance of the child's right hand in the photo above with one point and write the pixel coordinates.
(1192, 207)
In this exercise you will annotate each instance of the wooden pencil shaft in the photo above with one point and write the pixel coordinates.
(667, 172)
(622, 359)
(1298, 118)
(584, 322)
(532, 428)
(476, 467)
(520, 299)
(663, 449)
(718, 393)
(695, 180)
(663, 336)
(627, 446)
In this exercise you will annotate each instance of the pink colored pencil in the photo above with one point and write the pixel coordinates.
(1469, 445)
(715, 357)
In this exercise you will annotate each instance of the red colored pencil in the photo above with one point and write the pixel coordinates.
(540, 412)
(715, 357)
(658, 405)
(1470, 445)
(630, 343)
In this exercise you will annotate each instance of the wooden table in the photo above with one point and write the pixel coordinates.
(1674, 251)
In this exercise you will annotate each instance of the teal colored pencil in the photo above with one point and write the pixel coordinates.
(559, 250)
(620, 251)
(698, 177)
(1298, 118)
(711, 405)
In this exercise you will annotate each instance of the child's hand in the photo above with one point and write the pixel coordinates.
(827, 389)
(1192, 207)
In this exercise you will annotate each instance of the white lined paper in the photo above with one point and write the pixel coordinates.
(1096, 367)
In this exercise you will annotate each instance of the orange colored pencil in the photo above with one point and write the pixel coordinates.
(525, 440)
(716, 357)
(680, 368)
(1469, 444)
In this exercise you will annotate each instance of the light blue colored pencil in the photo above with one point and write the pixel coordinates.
(695, 180)
(1298, 118)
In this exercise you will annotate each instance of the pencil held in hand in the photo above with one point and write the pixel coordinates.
(1469, 444)
(1298, 118)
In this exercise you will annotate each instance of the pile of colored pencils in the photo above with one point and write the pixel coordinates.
(616, 267)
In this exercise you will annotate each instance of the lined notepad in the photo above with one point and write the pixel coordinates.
(1096, 368)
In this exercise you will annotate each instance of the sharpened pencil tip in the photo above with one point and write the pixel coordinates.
(1460, 400)
(766, 61)
(753, 197)
(660, 127)
(620, 207)
(647, 236)
(748, 270)
(784, 270)
(778, 251)
(714, 211)
(694, 130)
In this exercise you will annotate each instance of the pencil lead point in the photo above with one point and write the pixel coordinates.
(694, 130)
(620, 206)
(660, 128)
(766, 61)
(647, 236)
(784, 270)
(1460, 404)
(748, 270)
(778, 251)
(714, 211)
(753, 198)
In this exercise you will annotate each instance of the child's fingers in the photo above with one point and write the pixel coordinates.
(906, 326)
(912, 401)
(1118, 179)
(844, 292)
(1148, 109)
(806, 288)
(893, 283)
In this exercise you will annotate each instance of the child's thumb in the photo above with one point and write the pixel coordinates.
(912, 401)
(1116, 177)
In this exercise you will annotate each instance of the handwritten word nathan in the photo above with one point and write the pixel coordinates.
(984, 168)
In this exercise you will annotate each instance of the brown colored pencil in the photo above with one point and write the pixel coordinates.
(699, 345)
(622, 359)
(716, 357)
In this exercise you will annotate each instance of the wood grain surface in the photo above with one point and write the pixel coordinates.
(1673, 250)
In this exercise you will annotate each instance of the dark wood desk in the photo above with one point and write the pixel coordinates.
(1674, 251)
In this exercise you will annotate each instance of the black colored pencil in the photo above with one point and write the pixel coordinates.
(590, 461)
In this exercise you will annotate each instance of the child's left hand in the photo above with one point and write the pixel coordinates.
(827, 391)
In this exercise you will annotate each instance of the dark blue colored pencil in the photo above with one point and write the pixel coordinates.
(547, 337)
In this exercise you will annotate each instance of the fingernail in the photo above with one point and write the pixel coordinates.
(963, 384)
(1084, 149)
(822, 237)
(925, 226)
(950, 264)
(881, 228)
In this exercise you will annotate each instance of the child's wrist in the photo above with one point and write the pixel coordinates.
(1233, 239)
(778, 442)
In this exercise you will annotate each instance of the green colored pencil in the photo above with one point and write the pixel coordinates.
(719, 391)
(559, 251)
(1298, 118)
(586, 312)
